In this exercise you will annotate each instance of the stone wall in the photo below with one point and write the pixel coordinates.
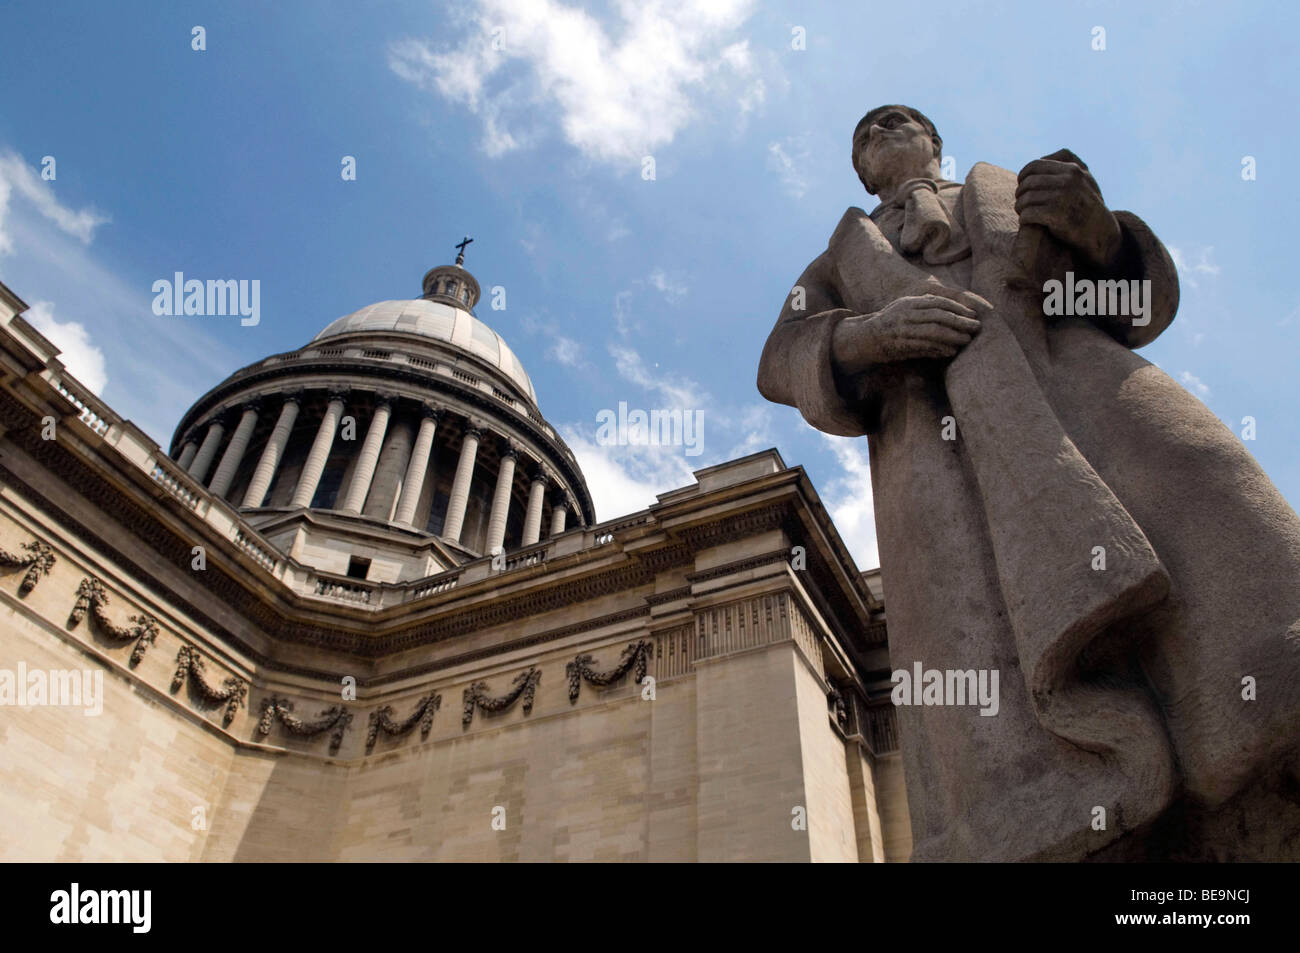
(736, 738)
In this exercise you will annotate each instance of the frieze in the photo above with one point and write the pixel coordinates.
(382, 719)
(634, 656)
(39, 561)
(740, 565)
(232, 691)
(524, 686)
(273, 619)
(334, 719)
(93, 597)
(666, 557)
(540, 638)
(732, 528)
(672, 595)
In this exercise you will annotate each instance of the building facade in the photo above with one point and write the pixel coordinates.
(362, 610)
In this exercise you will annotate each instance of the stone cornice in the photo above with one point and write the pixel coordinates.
(293, 618)
(123, 493)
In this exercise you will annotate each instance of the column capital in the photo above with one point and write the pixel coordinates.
(252, 403)
(474, 428)
(509, 449)
(540, 475)
(432, 412)
(339, 393)
(383, 397)
(294, 396)
(220, 417)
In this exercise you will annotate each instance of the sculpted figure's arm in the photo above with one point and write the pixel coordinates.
(825, 359)
(1058, 193)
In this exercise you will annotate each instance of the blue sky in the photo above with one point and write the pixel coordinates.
(525, 123)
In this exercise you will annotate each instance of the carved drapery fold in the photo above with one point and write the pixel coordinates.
(636, 654)
(92, 596)
(382, 719)
(39, 561)
(233, 690)
(525, 685)
(334, 719)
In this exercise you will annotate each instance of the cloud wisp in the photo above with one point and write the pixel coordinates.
(616, 91)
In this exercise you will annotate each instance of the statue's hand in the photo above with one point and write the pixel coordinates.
(1060, 194)
(935, 325)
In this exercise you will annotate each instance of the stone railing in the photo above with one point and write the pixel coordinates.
(351, 591)
(226, 522)
(264, 555)
(530, 557)
(436, 584)
(179, 485)
(91, 411)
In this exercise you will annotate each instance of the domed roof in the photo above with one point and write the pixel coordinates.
(441, 322)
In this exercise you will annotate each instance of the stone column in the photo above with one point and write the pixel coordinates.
(417, 468)
(559, 514)
(187, 452)
(320, 452)
(234, 454)
(393, 459)
(368, 457)
(208, 452)
(272, 453)
(533, 515)
(496, 534)
(460, 485)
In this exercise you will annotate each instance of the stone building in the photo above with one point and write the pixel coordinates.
(363, 611)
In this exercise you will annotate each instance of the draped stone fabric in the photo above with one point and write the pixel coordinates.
(1121, 688)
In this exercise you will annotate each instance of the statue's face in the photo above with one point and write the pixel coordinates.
(894, 143)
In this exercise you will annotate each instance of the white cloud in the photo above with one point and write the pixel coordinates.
(1194, 384)
(849, 500)
(624, 479)
(82, 358)
(669, 288)
(623, 313)
(565, 351)
(787, 161)
(16, 176)
(679, 392)
(1188, 270)
(159, 365)
(619, 94)
(752, 429)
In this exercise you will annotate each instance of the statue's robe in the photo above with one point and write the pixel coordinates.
(1118, 693)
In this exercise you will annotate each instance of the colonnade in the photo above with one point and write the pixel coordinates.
(199, 454)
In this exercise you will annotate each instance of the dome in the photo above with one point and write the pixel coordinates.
(441, 322)
(452, 459)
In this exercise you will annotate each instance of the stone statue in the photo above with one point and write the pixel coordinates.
(1051, 507)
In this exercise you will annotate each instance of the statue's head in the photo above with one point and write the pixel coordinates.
(894, 141)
